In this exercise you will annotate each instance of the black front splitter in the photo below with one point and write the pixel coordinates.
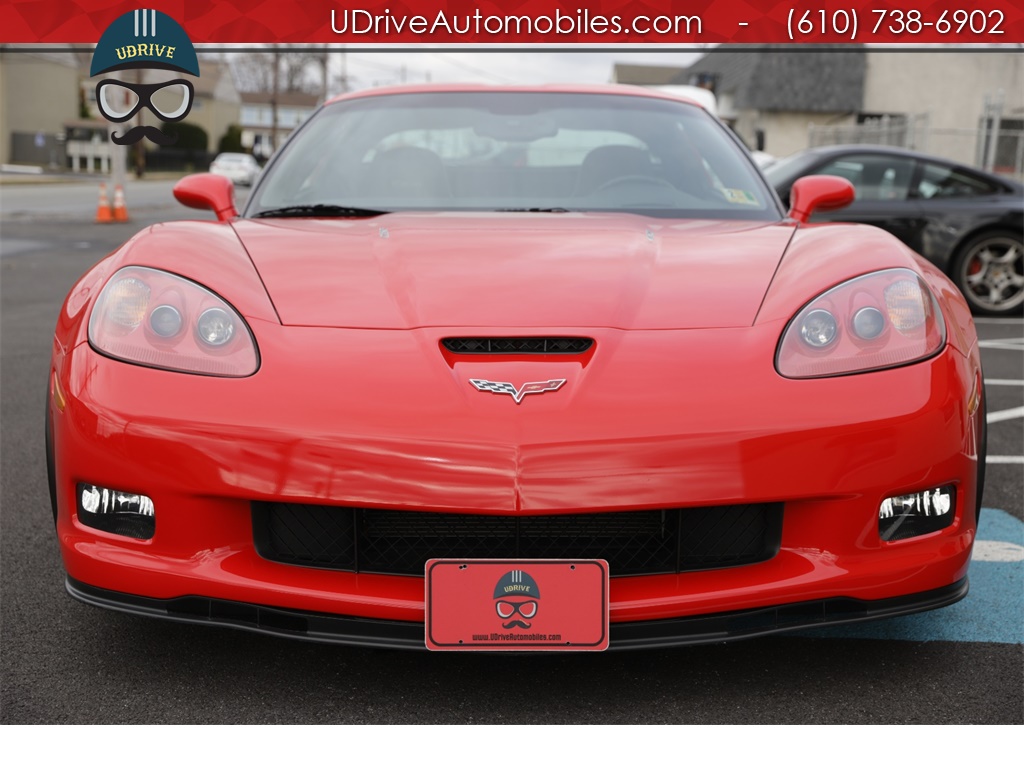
(404, 635)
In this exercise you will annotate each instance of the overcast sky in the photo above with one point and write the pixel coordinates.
(529, 66)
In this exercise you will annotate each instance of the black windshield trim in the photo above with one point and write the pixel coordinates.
(320, 210)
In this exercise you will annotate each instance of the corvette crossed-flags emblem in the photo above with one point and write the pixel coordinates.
(506, 388)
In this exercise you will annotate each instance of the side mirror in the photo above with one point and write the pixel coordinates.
(208, 192)
(818, 193)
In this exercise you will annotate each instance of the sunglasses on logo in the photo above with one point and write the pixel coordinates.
(527, 609)
(119, 102)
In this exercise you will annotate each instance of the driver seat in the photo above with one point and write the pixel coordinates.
(612, 161)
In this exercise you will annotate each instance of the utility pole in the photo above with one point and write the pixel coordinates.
(140, 151)
(993, 120)
(324, 66)
(275, 91)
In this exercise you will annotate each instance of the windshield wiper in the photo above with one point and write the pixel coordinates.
(532, 210)
(318, 210)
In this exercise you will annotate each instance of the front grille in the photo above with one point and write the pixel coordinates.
(517, 345)
(400, 542)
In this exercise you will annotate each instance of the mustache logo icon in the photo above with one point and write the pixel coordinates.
(139, 132)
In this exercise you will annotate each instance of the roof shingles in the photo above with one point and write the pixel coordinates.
(773, 79)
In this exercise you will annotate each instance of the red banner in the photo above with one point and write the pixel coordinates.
(658, 23)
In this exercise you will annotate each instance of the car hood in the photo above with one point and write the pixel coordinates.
(521, 270)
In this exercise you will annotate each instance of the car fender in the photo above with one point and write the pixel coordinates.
(206, 252)
(821, 256)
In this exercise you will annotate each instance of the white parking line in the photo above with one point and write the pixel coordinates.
(1009, 413)
(1004, 383)
(1004, 460)
(998, 321)
(1014, 345)
(986, 551)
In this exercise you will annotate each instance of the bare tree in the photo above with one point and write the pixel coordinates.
(296, 70)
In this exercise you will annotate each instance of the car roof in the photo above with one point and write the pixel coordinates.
(884, 149)
(598, 89)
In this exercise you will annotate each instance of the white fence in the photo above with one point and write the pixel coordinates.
(907, 131)
(997, 144)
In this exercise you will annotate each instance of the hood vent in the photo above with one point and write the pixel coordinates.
(517, 345)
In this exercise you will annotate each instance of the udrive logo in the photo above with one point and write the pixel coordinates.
(138, 40)
(516, 593)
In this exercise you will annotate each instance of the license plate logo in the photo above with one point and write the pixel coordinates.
(516, 605)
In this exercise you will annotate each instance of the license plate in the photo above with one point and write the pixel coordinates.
(516, 605)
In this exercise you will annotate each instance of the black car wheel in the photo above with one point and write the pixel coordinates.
(989, 271)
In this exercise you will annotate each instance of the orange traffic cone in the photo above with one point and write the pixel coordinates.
(120, 210)
(103, 215)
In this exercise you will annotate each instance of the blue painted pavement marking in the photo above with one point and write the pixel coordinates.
(993, 611)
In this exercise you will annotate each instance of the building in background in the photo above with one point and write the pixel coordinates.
(967, 106)
(216, 106)
(33, 119)
(48, 114)
(293, 107)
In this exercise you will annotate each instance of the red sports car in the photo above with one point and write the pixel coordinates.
(517, 329)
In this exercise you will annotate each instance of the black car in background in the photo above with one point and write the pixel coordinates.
(966, 221)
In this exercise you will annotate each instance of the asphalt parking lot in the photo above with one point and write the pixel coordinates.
(64, 662)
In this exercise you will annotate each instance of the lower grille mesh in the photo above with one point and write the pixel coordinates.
(400, 542)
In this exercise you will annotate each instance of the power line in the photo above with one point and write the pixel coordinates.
(470, 68)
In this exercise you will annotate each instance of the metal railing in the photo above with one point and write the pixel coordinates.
(908, 131)
(996, 145)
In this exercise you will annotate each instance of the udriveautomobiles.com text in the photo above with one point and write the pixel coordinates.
(583, 22)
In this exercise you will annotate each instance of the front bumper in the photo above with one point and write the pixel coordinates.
(204, 449)
(403, 635)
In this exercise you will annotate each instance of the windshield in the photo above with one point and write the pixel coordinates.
(513, 151)
(789, 168)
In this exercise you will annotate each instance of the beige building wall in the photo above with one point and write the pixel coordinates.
(218, 104)
(784, 132)
(38, 92)
(5, 132)
(950, 87)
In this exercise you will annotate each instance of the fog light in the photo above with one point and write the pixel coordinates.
(915, 514)
(120, 512)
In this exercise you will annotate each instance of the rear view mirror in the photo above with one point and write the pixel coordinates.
(515, 128)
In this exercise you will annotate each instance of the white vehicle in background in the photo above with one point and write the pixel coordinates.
(709, 101)
(240, 168)
(702, 96)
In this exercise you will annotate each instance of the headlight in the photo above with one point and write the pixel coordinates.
(880, 320)
(160, 320)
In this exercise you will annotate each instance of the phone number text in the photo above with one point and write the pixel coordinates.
(888, 23)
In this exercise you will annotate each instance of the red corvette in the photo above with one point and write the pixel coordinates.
(528, 326)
